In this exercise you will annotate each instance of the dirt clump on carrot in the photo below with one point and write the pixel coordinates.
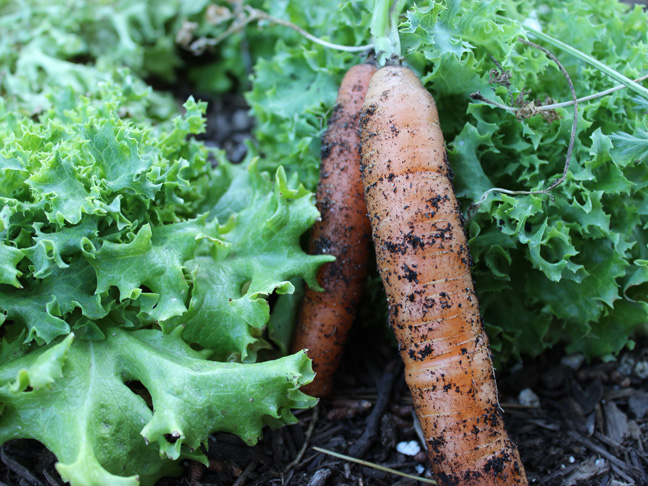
(423, 259)
(343, 231)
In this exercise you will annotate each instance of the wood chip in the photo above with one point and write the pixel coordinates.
(638, 404)
(320, 477)
(588, 469)
(616, 423)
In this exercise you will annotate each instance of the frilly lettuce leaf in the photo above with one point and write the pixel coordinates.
(257, 254)
(78, 399)
(121, 244)
(294, 90)
(76, 44)
(548, 270)
(133, 259)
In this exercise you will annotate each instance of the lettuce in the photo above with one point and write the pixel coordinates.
(76, 397)
(126, 257)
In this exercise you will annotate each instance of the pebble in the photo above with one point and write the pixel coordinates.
(626, 365)
(320, 477)
(641, 369)
(573, 361)
(528, 398)
(241, 122)
(409, 448)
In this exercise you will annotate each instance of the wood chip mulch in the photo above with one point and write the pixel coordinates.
(577, 424)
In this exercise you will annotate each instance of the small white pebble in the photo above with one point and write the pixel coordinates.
(419, 469)
(641, 369)
(410, 448)
(626, 365)
(599, 462)
(529, 398)
(573, 361)
(572, 459)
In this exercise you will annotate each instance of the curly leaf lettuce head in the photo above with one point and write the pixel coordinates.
(121, 246)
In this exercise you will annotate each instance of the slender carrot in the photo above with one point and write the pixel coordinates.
(343, 231)
(423, 258)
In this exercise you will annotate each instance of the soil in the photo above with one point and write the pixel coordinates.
(577, 424)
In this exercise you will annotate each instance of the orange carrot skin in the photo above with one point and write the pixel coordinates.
(344, 231)
(423, 258)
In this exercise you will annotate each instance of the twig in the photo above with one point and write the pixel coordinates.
(604, 68)
(374, 466)
(620, 472)
(479, 97)
(309, 433)
(253, 14)
(249, 469)
(599, 450)
(360, 448)
(317, 40)
(558, 473)
(600, 94)
(18, 468)
(572, 136)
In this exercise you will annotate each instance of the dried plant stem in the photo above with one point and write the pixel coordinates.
(244, 16)
(640, 90)
(309, 433)
(374, 466)
(572, 137)
(479, 97)
(246, 472)
(312, 38)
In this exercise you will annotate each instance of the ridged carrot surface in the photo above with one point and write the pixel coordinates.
(343, 231)
(423, 259)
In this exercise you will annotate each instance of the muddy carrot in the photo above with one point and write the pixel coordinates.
(423, 259)
(343, 231)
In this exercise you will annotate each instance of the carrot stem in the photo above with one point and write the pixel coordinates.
(244, 16)
(384, 29)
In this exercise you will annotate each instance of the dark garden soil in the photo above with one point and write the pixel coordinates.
(576, 424)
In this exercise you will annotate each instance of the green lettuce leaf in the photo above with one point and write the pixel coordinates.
(79, 399)
(257, 254)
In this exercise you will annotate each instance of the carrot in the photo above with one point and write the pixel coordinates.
(343, 231)
(423, 259)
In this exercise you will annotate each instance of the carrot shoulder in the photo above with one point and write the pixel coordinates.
(342, 231)
(423, 258)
